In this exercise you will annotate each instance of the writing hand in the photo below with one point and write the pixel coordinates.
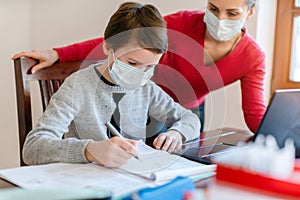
(111, 153)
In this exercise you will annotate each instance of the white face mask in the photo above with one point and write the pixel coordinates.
(222, 30)
(127, 76)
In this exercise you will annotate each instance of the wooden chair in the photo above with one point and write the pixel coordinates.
(49, 80)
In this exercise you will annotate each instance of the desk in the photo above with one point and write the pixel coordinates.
(215, 190)
(4, 184)
(208, 137)
(213, 135)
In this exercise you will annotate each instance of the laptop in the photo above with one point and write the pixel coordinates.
(281, 120)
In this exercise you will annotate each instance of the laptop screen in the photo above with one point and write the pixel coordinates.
(282, 118)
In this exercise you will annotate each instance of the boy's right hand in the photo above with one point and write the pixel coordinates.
(46, 58)
(111, 153)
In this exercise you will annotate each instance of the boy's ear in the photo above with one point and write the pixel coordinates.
(251, 12)
(106, 48)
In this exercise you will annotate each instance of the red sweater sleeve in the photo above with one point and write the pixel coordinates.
(253, 94)
(87, 50)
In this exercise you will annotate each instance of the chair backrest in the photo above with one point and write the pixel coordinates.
(49, 80)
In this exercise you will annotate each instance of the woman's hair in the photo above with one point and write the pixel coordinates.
(139, 24)
(251, 3)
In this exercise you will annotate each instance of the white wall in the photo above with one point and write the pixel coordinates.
(265, 38)
(35, 24)
(14, 36)
(61, 22)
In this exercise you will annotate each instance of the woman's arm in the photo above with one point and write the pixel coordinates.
(87, 50)
(252, 86)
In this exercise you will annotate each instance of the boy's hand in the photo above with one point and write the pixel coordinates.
(168, 141)
(111, 153)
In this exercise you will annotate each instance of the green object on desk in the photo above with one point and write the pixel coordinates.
(45, 194)
(203, 176)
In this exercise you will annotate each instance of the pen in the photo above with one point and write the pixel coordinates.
(115, 132)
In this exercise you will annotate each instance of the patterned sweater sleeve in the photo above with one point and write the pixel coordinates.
(164, 109)
(44, 144)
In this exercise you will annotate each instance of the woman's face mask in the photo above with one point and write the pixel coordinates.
(127, 76)
(222, 30)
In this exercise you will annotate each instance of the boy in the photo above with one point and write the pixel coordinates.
(116, 90)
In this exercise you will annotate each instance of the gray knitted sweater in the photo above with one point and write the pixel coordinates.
(82, 106)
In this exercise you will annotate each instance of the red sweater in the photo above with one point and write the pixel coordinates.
(182, 73)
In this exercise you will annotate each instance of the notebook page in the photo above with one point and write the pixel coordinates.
(160, 165)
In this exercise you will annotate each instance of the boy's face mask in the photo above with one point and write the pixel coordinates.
(222, 30)
(127, 76)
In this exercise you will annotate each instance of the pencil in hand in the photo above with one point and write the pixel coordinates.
(115, 132)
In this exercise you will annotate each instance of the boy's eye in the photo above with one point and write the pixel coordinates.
(132, 63)
(231, 14)
(213, 10)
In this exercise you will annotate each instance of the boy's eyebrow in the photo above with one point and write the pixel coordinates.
(230, 9)
(212, 5)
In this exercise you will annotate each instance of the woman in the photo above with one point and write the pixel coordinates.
(207, 51)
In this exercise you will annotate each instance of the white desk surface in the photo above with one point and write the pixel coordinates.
(224, 190)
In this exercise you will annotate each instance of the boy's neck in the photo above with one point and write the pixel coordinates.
(105, 77)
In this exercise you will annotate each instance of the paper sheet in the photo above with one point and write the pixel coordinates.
(62, 175)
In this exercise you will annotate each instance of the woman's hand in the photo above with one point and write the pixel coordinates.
(46, 58)
(111, 153)
(168, 141)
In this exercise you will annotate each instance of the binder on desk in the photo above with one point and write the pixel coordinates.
(174, 190)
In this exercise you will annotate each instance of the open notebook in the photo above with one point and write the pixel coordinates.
(155, 168)
(160, 165)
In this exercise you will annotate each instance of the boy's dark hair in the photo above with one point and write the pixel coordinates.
(137, 23)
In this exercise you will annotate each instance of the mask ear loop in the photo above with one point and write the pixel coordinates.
(113, 54)
(108, 63)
